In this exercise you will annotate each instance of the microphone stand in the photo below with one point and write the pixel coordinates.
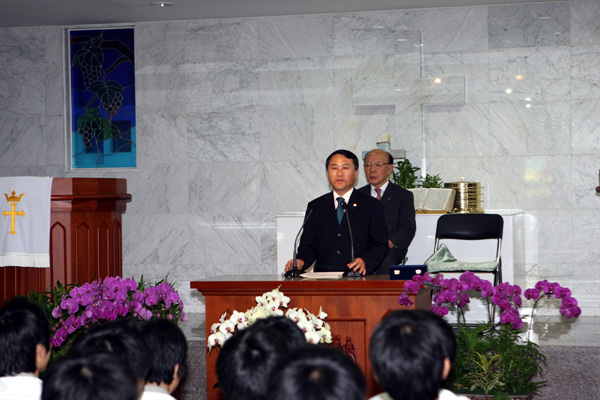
(295, 272)
(345, 206)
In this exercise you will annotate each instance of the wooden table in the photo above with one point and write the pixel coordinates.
(354, 307)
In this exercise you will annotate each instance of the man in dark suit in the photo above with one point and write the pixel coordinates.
(398, 205)
(326, 237)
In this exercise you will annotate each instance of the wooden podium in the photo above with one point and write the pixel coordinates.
(354, 307)
(85, 236)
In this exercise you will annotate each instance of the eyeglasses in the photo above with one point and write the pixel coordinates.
(376, 165)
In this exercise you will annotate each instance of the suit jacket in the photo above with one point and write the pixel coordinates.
(328, 243)
(399, 207)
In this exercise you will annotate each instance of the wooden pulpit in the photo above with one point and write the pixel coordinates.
(85, 237)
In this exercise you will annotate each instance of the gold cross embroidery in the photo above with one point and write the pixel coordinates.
(13, 200)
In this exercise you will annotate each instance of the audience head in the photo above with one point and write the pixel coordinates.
(118, 338)
(411, 352)
(317, 373)
(91, 376)
(169, 352)
(288, 328)
(24, 337)
(247, 359)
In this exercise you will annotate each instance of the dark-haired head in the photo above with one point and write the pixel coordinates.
(246, 359)
(118, 338)
(411, 352)
(346, 153)
(24, 337)
(169, 351)
(93, 376)
(288, 328)
(317, 373)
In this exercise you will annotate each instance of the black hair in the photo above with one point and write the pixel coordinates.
(92, 376)
(120, 339)
(345, 153)
(293, 334)
(23, 325)
(247, 359)
(169, 348)
(317, 372)
(407, 352)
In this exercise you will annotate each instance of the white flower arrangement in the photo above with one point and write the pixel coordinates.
(272, 303)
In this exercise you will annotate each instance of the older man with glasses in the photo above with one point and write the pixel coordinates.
(398, 205)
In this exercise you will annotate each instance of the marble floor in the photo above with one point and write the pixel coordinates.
(547, 330)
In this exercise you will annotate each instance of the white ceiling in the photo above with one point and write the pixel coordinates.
(82, 12)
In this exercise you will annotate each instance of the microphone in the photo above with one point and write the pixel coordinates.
(294, 272)
(345, 207)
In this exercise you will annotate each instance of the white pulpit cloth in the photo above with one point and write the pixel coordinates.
(25, 221)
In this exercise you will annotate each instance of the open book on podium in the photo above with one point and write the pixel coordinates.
(433, 200)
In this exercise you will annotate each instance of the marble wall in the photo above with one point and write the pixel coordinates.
(236, 117)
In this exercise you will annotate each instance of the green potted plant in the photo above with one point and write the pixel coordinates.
(496, 357)
(405, 175)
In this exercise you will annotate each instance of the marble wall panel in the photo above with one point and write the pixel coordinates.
(229, 240)
(22, 92)
(585, 127)
(539, 74)
(529, 25)
(586, 177)
(155, 239)
(224, 187)
(294, 135)
(289, 186)
(296, 36)
(164, 138)
(458, 131)
(158, 189)
(23, 141)
(531, 183)
(22, 48)
(585, 22)
(222, 86)
(54, 134)
(474, 67)
(222, 40)
(586, 232)
(160, 44)
(232, 136)
(162, 88)
(457, 29)
(585, 72)
(295, 83)
(371, 33)
(525, 128)
(349, 69)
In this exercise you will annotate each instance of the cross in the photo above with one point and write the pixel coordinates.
(407, 89)
(13, 214)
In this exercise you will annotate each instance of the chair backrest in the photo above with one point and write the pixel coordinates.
(469, 226)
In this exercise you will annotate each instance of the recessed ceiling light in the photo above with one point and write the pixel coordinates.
(161, 4)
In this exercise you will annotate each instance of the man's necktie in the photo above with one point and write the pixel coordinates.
(378, 191)
(340, 209)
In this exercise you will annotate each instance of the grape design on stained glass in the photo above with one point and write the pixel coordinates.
(102, 93)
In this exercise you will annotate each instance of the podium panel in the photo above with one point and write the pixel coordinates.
(85, 236)
(354, 307)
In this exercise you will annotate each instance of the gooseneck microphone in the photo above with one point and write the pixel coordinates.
(295, 272)
(345, 207)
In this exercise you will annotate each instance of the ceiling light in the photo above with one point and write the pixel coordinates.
(161, 4)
